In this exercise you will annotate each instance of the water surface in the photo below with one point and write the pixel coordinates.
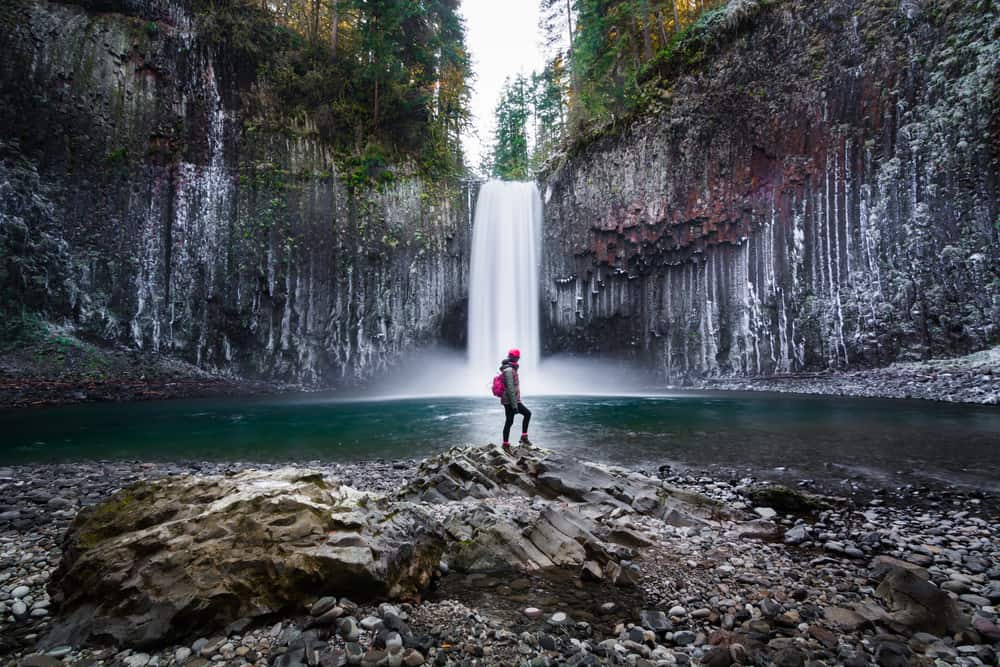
(882, 441)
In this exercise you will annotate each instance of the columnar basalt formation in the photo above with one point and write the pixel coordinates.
(818, 191)
(155, 194)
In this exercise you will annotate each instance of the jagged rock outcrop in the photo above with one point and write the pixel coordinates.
(168, 559)
(814, 189)
(154, 194)
(539, 509)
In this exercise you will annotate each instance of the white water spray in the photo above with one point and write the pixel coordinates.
(503, 289)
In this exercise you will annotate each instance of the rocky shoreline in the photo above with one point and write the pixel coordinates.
(971, 379)
(64, 370)
(768, 581)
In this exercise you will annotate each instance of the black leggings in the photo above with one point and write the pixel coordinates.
(511, 411)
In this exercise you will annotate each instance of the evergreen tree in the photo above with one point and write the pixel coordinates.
(382, 78)
(549, 110)
(509, 154)
(612, 44)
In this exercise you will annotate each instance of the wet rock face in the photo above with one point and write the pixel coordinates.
(149, 199)
(174, 557)
(821, 193)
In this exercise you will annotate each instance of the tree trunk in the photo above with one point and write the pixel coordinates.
(574, 80)
(663, 32)
(677, 18)
(334, 21)
(647, 44)
(315, 21)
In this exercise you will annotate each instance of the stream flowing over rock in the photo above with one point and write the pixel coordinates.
(153, 195)
(819, 190)
(166, 559)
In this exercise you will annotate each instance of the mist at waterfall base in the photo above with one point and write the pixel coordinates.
(436, 372)
(504, 314)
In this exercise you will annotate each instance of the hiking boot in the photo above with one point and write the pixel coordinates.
(506, 447)
(524, 441)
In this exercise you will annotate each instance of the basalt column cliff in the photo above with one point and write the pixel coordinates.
(811, 187)
(155, 193)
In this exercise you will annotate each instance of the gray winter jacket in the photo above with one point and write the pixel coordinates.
(511, 384)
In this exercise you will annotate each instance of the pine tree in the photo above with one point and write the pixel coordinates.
(509, 159)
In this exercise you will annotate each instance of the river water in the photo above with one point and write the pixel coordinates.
(831, 440)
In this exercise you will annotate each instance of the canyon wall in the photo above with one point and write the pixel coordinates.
(153, 194)
(814, 188)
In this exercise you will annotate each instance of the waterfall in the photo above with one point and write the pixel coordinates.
(504, 299)
(503, 289)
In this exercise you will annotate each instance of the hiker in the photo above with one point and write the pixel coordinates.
(511, 399)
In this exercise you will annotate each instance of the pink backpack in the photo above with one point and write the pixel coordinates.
(498, 385)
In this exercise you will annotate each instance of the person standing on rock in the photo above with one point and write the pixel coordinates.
(511, 399)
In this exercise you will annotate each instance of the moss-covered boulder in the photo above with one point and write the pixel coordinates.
(172, 558)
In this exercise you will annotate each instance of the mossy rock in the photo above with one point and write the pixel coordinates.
(168, 559)
(784, 499)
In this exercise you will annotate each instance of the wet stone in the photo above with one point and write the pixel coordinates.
(370, 623)
(348, 629)
(322, 605)
(40, 661)
(137, 660)
(413, 658)
(684, 637)
(655, 620)
(328, 617)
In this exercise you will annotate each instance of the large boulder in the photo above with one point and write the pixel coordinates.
(167, 559)
(917, 605)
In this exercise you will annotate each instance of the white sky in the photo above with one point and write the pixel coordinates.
(503, 39)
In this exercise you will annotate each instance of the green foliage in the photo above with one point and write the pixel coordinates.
(243, 31)
(685, 49)
(117, 160)
(508, 158)
(368, 72)
(530, 123)
(620, 52)
(18, 327)
(368, 170)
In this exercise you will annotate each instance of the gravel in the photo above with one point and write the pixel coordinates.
(711, 595)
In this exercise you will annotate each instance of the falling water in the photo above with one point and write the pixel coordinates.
(503, 290)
